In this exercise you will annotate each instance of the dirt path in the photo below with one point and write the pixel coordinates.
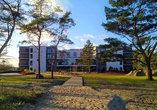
(82, 97)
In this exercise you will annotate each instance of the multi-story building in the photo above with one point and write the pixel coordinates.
(28, 57)
(122, 65)
(128, 56)
(67, 60)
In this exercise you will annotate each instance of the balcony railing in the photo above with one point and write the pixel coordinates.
(23, 64)
(24, 57)
(23, 51)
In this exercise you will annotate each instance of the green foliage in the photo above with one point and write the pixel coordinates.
(138, 65)
(86, 58)
(41, 22)
(11, 15)
(135, 21)
(112, 46)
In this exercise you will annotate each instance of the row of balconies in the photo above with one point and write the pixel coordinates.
(23, 64)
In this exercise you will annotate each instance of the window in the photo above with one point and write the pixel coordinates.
(98, 50)
(48, 50)
(49, 63)
(31, 63)
(49, 56)
(53, 50)
(68, 54)
(31, 56)
(31, 69)
(31, 50)
(80, 53)
(102, 50)
(75, 54)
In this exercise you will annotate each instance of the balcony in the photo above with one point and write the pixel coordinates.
(128, 64)
(23, 52)
(23, 64)
(128, 57)
(24, 57)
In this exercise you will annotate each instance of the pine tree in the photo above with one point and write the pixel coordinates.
(65, 23)
(86, 58)
(135, 20)
(42, 20)
(111, 47)
(11, 14)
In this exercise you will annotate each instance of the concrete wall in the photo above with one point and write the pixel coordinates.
(34, 66)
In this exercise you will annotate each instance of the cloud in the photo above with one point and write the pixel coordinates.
(82, 40)
(95, 44)
(19, 38)
(89, 36)
(76, 37)
(85, 36)
(77, 47)
(105, 36)
(66, 47)
(63, 4)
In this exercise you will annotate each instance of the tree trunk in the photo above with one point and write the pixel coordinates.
(149, 71)
(39, 62)
(52, 71)
(89, 65)
(8, 38)
(89, 69)
(53, 62)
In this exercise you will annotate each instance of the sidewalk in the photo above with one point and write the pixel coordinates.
(74, 81)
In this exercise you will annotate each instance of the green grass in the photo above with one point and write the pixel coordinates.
(120, 81)
(15, 91)
(11, 98)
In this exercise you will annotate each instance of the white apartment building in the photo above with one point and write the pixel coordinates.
(28, 59)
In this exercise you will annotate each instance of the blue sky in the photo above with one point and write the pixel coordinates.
(88, 16)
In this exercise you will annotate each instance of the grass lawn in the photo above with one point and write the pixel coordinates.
(120, 82)
(15, 91)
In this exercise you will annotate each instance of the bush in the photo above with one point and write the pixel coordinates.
(111, 68)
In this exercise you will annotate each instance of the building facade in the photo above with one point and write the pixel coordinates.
(67, 61)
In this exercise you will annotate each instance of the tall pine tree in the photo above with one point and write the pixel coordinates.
(135, 20)
(65, 23)
(41, 23)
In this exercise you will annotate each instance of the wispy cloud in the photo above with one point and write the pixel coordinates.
(83, 40)
(89, 36)
(95, 44)
(85, 36)
(64, 4)
(77, 47)
(105, 36)
(66, 47)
